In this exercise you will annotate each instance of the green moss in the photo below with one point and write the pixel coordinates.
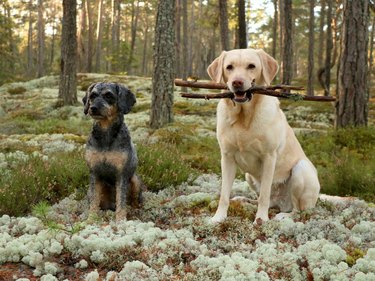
(17, 91)
(353, 254)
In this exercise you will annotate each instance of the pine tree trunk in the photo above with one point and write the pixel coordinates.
(352, 87)
(288, 43)
(68, 77)
(329, 47)
(321, 31)
(164, 60)
(99, 32)
(40, 69)
(90, 41)
(30, 64)
(134, 24)
(224, 31)
(82, 56)
(178, 39)
(310, 83)
(242, 33)
(371, 64)
(184, 40)
(274, 28)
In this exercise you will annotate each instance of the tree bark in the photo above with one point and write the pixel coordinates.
(352, 87)
(68, 77)
(134, 25)
(371, 60)
(90, 42)
(178, 39)
(242, 30)
(321, 31)
(184, 40)
(274, 28)
(82, 56)
(164, 60)
(40, 69)
(310, 83)
(329, 47)
(223, 19)
(99, 33)
(288, 43)
(30, 64)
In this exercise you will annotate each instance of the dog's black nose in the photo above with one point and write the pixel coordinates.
(94, 109)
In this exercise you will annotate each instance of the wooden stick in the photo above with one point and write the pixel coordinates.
(263, 90)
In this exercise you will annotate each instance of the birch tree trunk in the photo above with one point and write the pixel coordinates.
(352, 87)
(164, 60)
(68, 64)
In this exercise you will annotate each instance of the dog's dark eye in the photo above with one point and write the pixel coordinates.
(251, 66)
(229, 67)
(93, 96)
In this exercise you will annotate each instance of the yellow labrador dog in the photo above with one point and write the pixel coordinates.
(254, 135)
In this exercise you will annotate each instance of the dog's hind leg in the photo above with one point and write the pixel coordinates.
(304, 185)
(135, 198)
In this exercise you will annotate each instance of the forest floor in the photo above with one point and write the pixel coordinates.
(170, 237)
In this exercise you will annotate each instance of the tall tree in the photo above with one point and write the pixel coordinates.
(310, 78)
(223, 19)
(184, 40)
(99, 36)
(274, 28)
(178, 39)
(352, 87)
(242, 33)
(134, 25)
(40, 68)
(164, 60)
(90, 40)
(68, 66)
(82, 43)
(288, 42)
(321, 31)
(329, 47)
(30, 65)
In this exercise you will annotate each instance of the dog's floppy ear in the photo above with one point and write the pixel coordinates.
(126, 99)
(85, 99)
(215, 69)
(269, 66)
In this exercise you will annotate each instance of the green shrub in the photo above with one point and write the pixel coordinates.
(17, 91)
(25, 184)
(344, 159)
(161, 165)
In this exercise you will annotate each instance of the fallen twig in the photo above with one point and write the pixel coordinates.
(262, 90)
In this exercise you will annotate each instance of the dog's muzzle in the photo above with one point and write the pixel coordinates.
(242, 97)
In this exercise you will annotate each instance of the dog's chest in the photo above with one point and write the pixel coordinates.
(95, 158)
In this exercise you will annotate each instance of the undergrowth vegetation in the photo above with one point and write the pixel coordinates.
(46, 233)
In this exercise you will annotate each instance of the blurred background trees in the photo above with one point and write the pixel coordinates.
(117, 36)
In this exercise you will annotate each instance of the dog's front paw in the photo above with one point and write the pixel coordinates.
(218, 218)
(260, 218)
(120, 215)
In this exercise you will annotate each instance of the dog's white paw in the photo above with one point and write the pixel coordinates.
(281, 216)
(260, 218)
(218, 218)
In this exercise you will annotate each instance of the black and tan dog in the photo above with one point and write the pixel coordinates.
(110, 153)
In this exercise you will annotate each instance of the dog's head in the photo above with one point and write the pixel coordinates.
(106, 100)
(241, 68)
